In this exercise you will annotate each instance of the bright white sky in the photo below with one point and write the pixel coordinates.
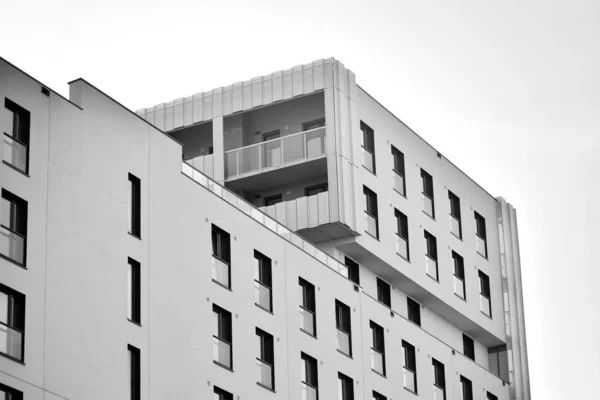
(509, 91)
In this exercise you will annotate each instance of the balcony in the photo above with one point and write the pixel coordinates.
(401, 247)
(343, 340)
(377, 362)
(222, 352)
(428, 205)
(459, 287)
(438, 393)
(12, 245)
(409, 380)
(15, 152)
(485, 305)
(481, 245)
(11, 342)
(204, 164)
(371, 225)
(308, 392)
(220, 271)
(265, 373)
(262, 296)
(275, 153)
(431, 267)
(455, 227)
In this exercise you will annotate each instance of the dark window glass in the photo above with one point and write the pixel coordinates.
(399, 178)
(310, 376)
(346, 387)
(439, 376)
(371, 213)
(402, 246)
(343, 324)
(491, 396)
(428, 203)
(368, 145)
(384, 292)
(377, 349)
(378, 396)
(134, 287)
(223, 340)
(484, 282)
(12, 323)
(13, 228)
(272, 200)
(455, 220)
(468, 347)
(308, 322)
(16, 142)
(263, 281)
(459, 275)
(266, 359)
(467, 388)
(431, 266)
(414, 311)
(485, 294)
(8, 393)
(134, 373)
(221, 268)
(318, 123)
(316, 189)
(135, 216)
(353, 270)
(481, 235)
(220, 394)
(410, 364)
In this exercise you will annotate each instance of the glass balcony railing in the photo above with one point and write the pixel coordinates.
(220, 271)
(265, 373)
(12, 245)
(262, 295)
(428, 205)
(402, 246)
(368, 160)
(455, 226)
(343, 342)
(377, 362)
(11, 341)
(399, 183)
(15, 152)
(275, 152)
(370, 225)
(480, 245)
(222, 352)
(431, 267)
(409, 380)
(485, 305)
(307, 321)
(459, 287)
(438, 393)
(308, 392)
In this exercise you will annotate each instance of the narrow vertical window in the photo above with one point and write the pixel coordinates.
(414, 311)
(371, 214)
(378, 396)
(8, 393)
(428, 204)
(307, 307)
(455, 221)
(12, 323)
(134, 373)
(265, 361)
(134, 286)
(222, 337)
(13, 228)
(377, 349)
(402, 248)
(399, 176)
(16, 140)
(263, 281)
(439, 380)
(135, 211)
(368, 147)
(352, 270)
(468, 347)
(309, 377)
(344, 328)
(491, 396)
(221, 259)
(466, 388)
(485, 301)
(345, 387)
(459, 276)
(410, 367)
(384, 292)
(220, 394)
(431, 266)
(480, 235)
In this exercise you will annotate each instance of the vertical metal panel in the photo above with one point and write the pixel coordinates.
(352, 86)
(207, 108)
(287, 84)
(178, 113)
(302, 213)
(150, 115)
(328, 73)
(277, 85)
(318, 74)
(237, 97)
(281, 212)
(159, 116)
(347, 201)
(323, 200)
(227, 100)
(257, 92)
(267, 90)
(197, 107)
(209, 165)
(355, 135)
(217, 102)
(297, 82)
(246, 95)
(218, 150)
(169, 116)
(291, 211)
(188, 111)
(307, 77)
(313, 211)
(270, 211)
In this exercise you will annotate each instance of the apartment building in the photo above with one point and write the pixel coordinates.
(281, 238)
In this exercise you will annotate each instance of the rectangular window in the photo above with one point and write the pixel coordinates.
(265, 361)
(222, 337)
(459, 276)
(468, 347)
(428, 204)
(384, 292)
(134, 373)
(485, 302)
(402, 248)
(466, 388)
(345, 387)
(16, 141)
(13, 228)
(378, 396)
(344, 328)
(439, 380)
(308, 312)
(431, 255)
(316, 189)
(414, 311)
(263, 295)
(410, 367)
(12, 323)
(8, 393)
(134, 289)
(455, 222)
(221, 259)
(399, 176)
(480, 235)
(135, 212)
(498, 362)
(309, 377)
(368, 147)
(371, 214)
(491, 396)
(352, 270)
(220, 394)
(377, 349)
(272, 200)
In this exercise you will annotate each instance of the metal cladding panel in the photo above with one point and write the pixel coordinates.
(281, 213)
(339, 74)
(246, 95)
(207, 107)
(328, 73)
(150, 115)
(197, 106)
(317, 71)
(257, 92)
(323, 200)
(218, 149)
(277, 86)
(270, 211)
(188, 111)
(352, 86)
(355, 134)
(297, 81)
(334, 189)
(237, 97)
(302, 213)
(291, 211)
(169, 116)
(159, 117)
(307, 78)
(313, 211)
(227, 100)
(347, 201)
(209, 165)
(267, 90)
(217, 99)
(287, 84)
(332, 176)
(178, 113)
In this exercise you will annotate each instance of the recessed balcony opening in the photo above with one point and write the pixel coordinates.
(197, 141)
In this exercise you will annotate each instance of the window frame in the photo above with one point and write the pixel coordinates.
(428, 191)
(135, 206)
(221, 250)
(343, 323)
(223, 394)
(410, 362)
(308, 302)
(366, 143)
(134, 291)
(224, 332)
(16, 317)
(268, 201)
(413, 309)
(353, 270)
(263, 275)
(399, 168)
(402, 231)
(384, 292)
(458, 271)
(378, 396)
(19, 219)
(485, 290)
(323, 187)
(266, 354)
(455, 213)
(371, 208)
(439, 370)
(135, 372)
(468, 347)
(21, 133)
(345, 387)
(311, 371)
(378, 344)
(481, 232)
(432, 253)
(466, 383)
